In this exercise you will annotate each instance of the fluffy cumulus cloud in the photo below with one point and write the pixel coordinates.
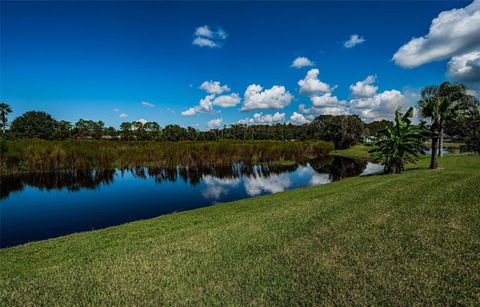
(143, 121)
(367, 103)
(204, 36)
(301, 61)
(452, 33)
(256, 98)
(205, 106)
(298, 119)
(354, 40)
(123, 115)
(260, 119)
(364, 88)
(215, 123)
(325, 105)
(227, 101)
(311, 85)
(148, 104)
(320, 93)
(379, 106)
(465, 67)
(214, 87)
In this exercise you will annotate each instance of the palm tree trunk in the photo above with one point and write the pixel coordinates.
(434, 160)
(440, 148)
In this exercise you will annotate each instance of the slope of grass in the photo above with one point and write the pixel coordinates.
(356, 151)
(383, 240)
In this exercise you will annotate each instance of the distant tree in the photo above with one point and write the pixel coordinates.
(400, 144)
(138, 130)
(153, 130)
(5, 109)
(34, 124)
(471, 124)
(175, 133)
(343, 130)
(63, 130)
(375, 127)
(460, 126)
(98, 129)
(110, 132)
(126, 130)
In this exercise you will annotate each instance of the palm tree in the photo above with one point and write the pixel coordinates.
(441, 104)
(451, 105)
(4, 110)
(399, 144)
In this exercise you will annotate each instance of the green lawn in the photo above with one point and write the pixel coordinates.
(356, 151)
(379, 240)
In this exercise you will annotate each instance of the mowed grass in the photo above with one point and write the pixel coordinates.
(379, 240)
(356, 151)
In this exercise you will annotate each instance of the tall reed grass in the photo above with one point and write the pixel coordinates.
(41, 156)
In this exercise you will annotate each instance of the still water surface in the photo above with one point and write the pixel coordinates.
(40, 206)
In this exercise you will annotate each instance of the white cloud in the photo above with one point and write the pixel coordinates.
(326, 104)
(206, 37)
(302, 62)
(267, 119)
(123, 115)
(204, 42)
(204, 31)
(354, 40)
(364, 88)
(142, 120)
(326, 100)
(214, 87)
(452, 33)
(379, 106)
(255, 98)
(465, 67)
(148, 104)
(205, 106)
(226, 101)
(298, 119)
(311, 85)
(214, 123)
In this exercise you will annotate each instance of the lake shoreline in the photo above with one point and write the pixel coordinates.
(311, 236)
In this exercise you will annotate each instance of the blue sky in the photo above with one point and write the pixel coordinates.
(98, 60)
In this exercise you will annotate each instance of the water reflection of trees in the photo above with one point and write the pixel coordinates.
(71, 180)
(337, 167)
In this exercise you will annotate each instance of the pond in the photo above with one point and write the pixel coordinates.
(46, 205)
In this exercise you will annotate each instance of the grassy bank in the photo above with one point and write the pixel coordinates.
(356, 151)
(43, 156)
(381, 240)
(361, 150)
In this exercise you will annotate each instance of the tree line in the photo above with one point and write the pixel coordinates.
(342, 130)
(448, 108)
